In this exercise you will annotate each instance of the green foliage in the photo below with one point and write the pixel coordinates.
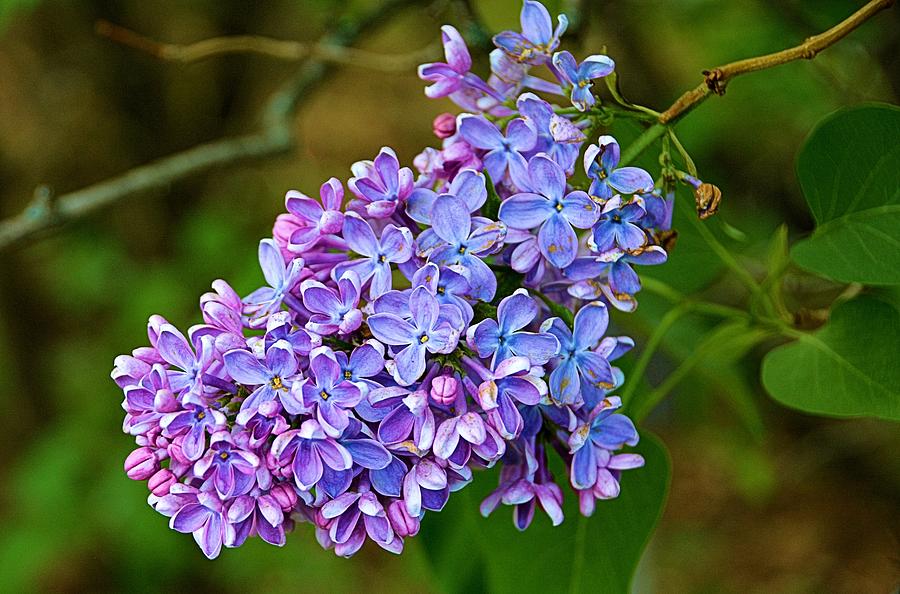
(849, 170)
(848, 368)
(596, 554)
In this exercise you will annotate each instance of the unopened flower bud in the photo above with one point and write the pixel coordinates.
(285, 495)
(402, 523)
(161, 481)
(444, 125)
(444, 388)
(141, 464)
(707, 197)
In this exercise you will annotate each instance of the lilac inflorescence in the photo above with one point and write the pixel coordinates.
(416, 331)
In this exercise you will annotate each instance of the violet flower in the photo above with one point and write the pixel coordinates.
(273, 377)
(468, 185)
(381, 186)
(315, 220)
(281, 278)
(556, 136)
(427, 331)
(603, 431)
(462, 247)
(333, 310)
(174, 349)
(328, 394)
(309, 451)
(537, 41)
(580, 371)
(549, 206)
(580, 77)
(601, 162)
(504, 160)
(353, 516)
(411, 418)
(395, 246)
(203, 516)
(617, 229)
(508, 383)
(193, 423)
(504, 338)
(228, 468)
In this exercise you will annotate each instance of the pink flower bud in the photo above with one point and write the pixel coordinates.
(285, 495)
(160, 482)
(444, 125)
(175, 451)
(402, 523)
(141, 464)
(444, 388)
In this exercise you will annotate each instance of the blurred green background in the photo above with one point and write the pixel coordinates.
(763, 499)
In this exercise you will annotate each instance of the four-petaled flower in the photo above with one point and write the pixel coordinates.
(603, 431)
(580, 372)
(601, 162)
(428, 330)
(504, 338)
(281, 278)
(333, 310)
(395, 247)
(309, 450)
(328, 393)
(537, 41)
(504, 160)
(380, 185)
(580, 77)
(616, 228)
(315, 220)
(230, 469)
(273, 377)
(547, 204)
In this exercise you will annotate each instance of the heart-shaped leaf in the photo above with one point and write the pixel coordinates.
(848, 368)
(849, 170)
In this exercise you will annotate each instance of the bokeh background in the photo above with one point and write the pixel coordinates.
(763, 499)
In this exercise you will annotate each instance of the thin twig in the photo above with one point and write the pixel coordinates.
(275, 136)
(717, 79)
(266, 46)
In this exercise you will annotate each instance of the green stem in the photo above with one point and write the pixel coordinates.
(578, 561)
(558, 310)
(657, 287)
(640, 144)
(637, 372)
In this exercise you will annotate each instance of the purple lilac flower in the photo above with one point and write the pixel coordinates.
(579, 77)
(463, 247)
(327, 393)
(449, 287)
(556, 136)
(203, 516)
(410, 418)
(601, 162)
(425, 486)
(427, 331)
(503, 161)
(467, 185)
(580, 371)
(229, 469)
(315, 220)
(174, 349)
(452, 77)
(381, 186)
(273, 377)
(193, 423)
(525, 486)
(504, 338)
(257, 513)
(395, 247)
(353, 516)
(603, 430)
(537, 41)
(622, 278)
(617, 226)
(309, 450)
(549, 206)
(281, 278)
(366, 361)
(333, 310)
(509, 383)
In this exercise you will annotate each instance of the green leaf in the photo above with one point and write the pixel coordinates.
(491, 206)
(849, 170)
(848, 368)
(596, 554)
(862, 247)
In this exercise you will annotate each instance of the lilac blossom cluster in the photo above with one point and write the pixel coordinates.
(417, 331)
